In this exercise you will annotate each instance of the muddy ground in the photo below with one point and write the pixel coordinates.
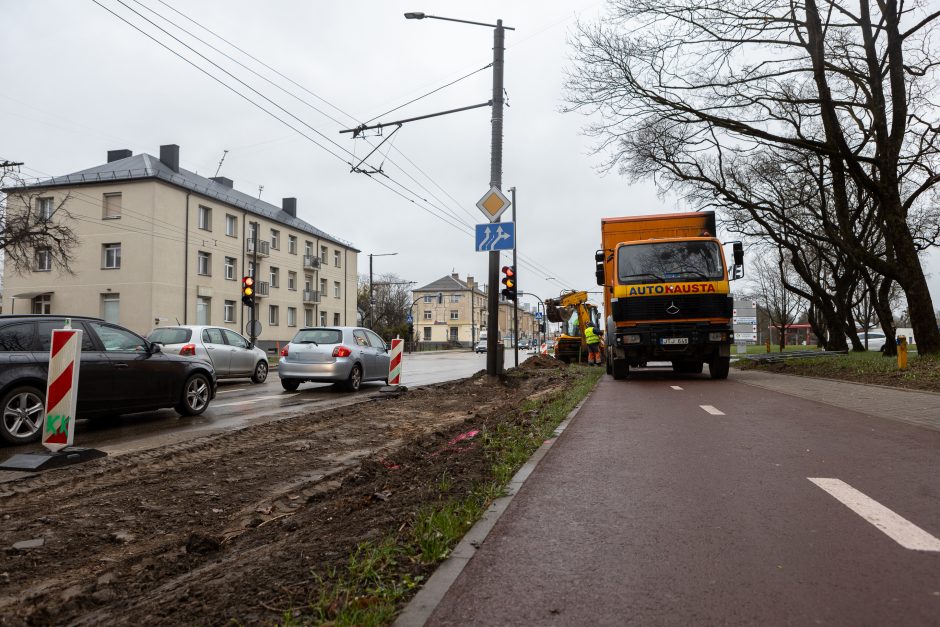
(236, 527)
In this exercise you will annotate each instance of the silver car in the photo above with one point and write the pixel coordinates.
(344, 356)
(231, 355)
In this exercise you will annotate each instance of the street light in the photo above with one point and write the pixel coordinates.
(372, 298)
(493, 366)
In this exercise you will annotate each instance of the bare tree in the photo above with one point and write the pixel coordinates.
(392, 300)
(35, 229)
(771, 273)
(712, 84)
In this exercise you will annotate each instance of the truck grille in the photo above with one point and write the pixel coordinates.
(655, 307)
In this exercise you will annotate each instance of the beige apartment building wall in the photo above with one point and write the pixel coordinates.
(159, 282)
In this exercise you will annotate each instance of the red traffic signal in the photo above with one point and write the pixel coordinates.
(248, 291)
(509, 281)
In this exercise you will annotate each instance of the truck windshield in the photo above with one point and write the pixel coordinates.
(669, 261)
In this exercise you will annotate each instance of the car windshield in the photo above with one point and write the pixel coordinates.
(669, 261)
(170, 335)
(318, 336)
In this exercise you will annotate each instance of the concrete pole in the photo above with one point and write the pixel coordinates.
(496, 180)
(371, 313)
(515, 307)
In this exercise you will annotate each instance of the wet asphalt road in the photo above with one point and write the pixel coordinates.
(685, 501)
(240, 403)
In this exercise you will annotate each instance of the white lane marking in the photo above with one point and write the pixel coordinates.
(254, 400)
(675, 387)
(712, 410)
(896, 527)
(231, 390)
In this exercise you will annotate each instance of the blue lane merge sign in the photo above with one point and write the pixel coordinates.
(495, 236)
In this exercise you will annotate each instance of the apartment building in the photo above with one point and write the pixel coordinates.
(452, 310)
(160, 245)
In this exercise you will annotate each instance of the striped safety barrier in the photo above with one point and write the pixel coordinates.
(394, 364)
(62, 389)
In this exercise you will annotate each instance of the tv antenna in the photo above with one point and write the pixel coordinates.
(218, 169)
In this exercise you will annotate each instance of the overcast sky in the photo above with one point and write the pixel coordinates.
(78, 81)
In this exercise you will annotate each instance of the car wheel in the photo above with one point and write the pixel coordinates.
(22, 414)
(290, 385)
(355, 378)
(196, 395)
(261, 372)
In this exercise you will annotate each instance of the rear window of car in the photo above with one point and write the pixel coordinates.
(17, 337)
(170, 335)
(318, 336)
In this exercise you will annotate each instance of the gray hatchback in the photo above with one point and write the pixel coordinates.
(344, 356)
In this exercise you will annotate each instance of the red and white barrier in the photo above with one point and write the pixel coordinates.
(394, 364)
(62, 389)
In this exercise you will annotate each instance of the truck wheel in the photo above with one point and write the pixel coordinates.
(718, 368)
(620, 369)
(607, 360)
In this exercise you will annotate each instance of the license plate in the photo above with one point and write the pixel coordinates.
(672, 341)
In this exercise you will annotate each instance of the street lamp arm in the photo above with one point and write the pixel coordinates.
(421, 16)
(363, 127)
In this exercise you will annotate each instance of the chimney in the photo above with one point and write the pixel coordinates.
(117, 155)
(470, 283)
(170, 157)
(289, 205)
(221, 180)
(455, 276)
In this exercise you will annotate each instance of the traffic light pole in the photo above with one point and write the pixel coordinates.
(493, 366)
(252, 336)
(515, 305)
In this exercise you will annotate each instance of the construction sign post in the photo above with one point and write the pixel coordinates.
(58, 429)
(394, 364)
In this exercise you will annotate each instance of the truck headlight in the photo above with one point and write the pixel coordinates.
(719, 336)
(631, 339)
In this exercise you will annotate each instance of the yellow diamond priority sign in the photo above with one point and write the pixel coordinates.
(493, 204)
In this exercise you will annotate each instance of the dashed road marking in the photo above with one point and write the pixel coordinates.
(675, 387)
(231, 390)
(254, 400)
(712, 410)
(895, 526)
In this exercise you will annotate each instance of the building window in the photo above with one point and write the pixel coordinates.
(308, 248)
(231, 225)
(202, 310)
(45, 208)
(322, 318)
(275, 273)
(203, 264)
(111, 307)
(428, 299)
(228, 311)
(275, 239)
(252, 270)
(230, 268)
(336, 289)
(110, 256)
(253, 230)
(292, 316)
(323, 288)
(337, 259)
(336, 321)
(454, 314)
(455, 298)
(308, 283)
(323, 253)
(292, 244)
(308, 317)
(42, 304)
(273, 313)
(292, 280)
(43, 260)
(112, 207)
(205, 218)
(427, 334)
(427, 314)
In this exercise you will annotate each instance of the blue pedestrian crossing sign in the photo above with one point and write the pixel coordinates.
(409, 319)
(495, 236)
(538, 315)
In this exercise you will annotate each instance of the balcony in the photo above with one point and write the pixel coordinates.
(262, 289)
(311, 297)
(311, 262)
(263, 247)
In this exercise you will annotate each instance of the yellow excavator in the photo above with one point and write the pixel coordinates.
(574, 312)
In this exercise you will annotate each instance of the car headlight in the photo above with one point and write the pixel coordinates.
(631, 339)
(719, 336)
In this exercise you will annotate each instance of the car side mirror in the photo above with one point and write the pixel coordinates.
(155, 348)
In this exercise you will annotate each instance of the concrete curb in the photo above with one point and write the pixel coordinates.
(417, 612)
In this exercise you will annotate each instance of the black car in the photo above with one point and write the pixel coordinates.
(119, 373)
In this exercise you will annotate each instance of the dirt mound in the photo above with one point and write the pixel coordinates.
(541, 362)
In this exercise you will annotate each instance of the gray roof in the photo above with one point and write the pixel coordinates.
(144, 166)
(447, 284)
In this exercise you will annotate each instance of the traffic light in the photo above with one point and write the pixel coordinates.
(248, 291)
(411, 330)
(509, 281)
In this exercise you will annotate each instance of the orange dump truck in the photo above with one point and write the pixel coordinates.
(666, 293)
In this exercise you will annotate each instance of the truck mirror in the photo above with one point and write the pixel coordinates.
(738, 249)
(737, 273)
(599, 256)
(599, 273)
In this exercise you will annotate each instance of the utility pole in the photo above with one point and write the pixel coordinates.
(252, 332)
(496, 180)
(515, 307)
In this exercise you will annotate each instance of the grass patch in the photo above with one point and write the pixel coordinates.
(380, 576)
(923, 373)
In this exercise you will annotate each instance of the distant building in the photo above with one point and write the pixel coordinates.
(161, 245)
(451, 311)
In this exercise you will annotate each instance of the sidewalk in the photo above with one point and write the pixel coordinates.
(545, 561)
